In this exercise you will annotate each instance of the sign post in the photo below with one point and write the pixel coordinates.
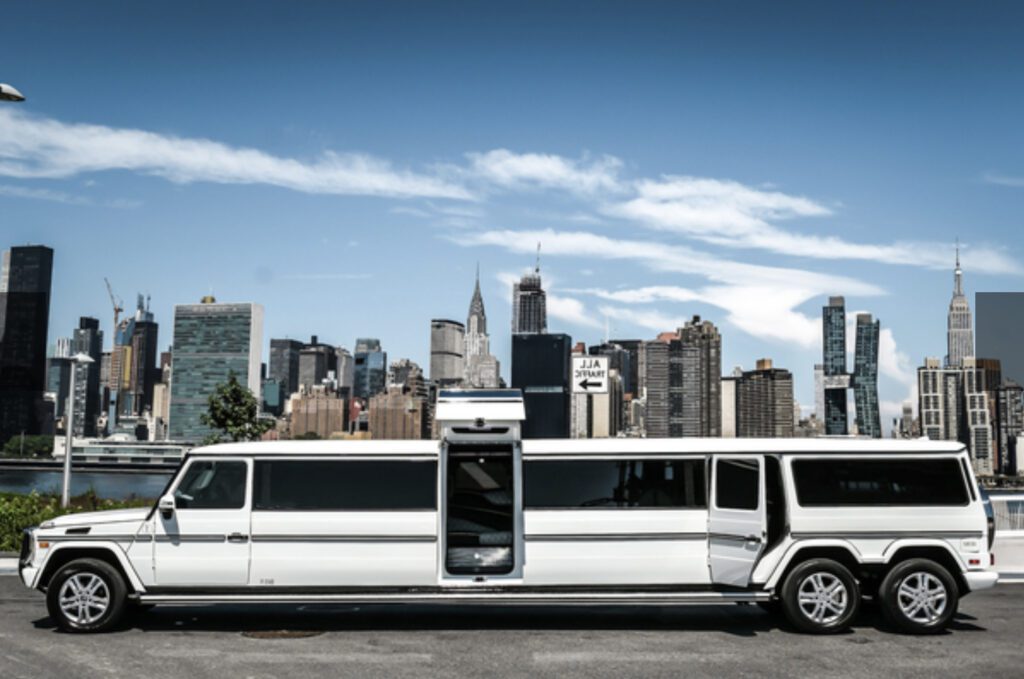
(590, 374)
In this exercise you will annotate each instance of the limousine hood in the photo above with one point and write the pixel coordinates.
(132, 516)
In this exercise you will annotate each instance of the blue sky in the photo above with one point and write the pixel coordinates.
(347, 165)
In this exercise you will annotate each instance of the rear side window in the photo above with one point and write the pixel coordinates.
(903, 482)
(212, 485)
(344, 485)
(610, 484)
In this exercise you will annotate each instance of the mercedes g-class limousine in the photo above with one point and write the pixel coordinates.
(806, 526)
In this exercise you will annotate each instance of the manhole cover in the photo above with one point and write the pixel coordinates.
(281, 634)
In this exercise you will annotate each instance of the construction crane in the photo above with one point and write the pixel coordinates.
(117, 304)
(115, 368)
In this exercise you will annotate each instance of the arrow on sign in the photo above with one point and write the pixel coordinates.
(587, 384)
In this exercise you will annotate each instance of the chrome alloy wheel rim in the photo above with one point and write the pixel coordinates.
(84, 598)
(823, 598)
(922, 597)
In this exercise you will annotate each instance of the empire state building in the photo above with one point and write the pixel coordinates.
(959, 332)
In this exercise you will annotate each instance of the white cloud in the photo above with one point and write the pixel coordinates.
(1003, 180)
(761, 301)
(546, 171)
(61, 197)
(731, 214)
(571, 310)
(32, 147)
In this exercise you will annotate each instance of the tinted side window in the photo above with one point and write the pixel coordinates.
(212, 485)
(588, 484)
(353, 485)
(844, 482)
(738, 484)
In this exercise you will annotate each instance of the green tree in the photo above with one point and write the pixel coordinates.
(33, 446)
(234, 412)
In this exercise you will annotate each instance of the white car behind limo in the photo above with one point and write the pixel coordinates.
(807, 526)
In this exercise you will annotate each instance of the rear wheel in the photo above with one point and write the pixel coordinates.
(86, 595)
(919, 596)
(820, 596)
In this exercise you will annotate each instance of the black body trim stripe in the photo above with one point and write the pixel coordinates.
(612, 537)
(191, 538)
(86, 538)
(889, 535)
(344, 538)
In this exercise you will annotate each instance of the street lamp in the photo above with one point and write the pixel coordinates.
(8, 93)
(69, 425)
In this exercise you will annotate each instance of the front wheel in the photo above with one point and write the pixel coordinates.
(918, 596)
(820, 596)
(86, 595)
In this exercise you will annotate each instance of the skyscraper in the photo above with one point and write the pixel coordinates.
(316, 363)
(836, 380)
(541, 367)
(447, 347)
(696, 397)
(1000, 330)
(140, 364)
(959, 333)
(764, 402)
(1009, 429)
(955, 404)
(25, 279)
(371, 368)
(865, 377)
(284, 364)
(682, 377)
(482, 369)
(656, 379)
(211, 341)
(87, 339)
(529, 303)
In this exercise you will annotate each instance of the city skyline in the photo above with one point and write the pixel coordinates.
(742, 205)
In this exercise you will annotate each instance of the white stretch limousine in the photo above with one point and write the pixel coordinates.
(809, 526)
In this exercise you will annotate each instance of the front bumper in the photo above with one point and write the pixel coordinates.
(979, 580)
(28, 575)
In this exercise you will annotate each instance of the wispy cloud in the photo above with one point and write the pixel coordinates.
(62, 197)
(731, 214)
(328, 276)
(33, 147)
(546, 171)
(759, 300)
(1003, 180)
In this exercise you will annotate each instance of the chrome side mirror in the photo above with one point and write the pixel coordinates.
(166, 506)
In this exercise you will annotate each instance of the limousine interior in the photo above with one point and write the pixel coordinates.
(806, 527)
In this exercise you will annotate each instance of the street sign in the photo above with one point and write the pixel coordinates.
(590, 374)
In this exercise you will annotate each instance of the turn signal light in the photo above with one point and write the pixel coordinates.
(44, 545)
(974, 562)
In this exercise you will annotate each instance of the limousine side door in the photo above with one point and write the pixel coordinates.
(737, 521)
(205, 540)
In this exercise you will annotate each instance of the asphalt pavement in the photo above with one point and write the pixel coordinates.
(449, 641)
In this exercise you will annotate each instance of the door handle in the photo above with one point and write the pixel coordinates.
(238, 537)
(753, 538)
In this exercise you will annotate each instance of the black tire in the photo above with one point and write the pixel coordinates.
(920, 577)
(109, 588)
(836, 587)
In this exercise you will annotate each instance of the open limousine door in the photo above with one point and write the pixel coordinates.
(481, 517)
(737, 519)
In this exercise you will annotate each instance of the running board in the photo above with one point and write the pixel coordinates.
(499, 598)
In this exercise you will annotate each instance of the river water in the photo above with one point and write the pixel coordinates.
(108, 485)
